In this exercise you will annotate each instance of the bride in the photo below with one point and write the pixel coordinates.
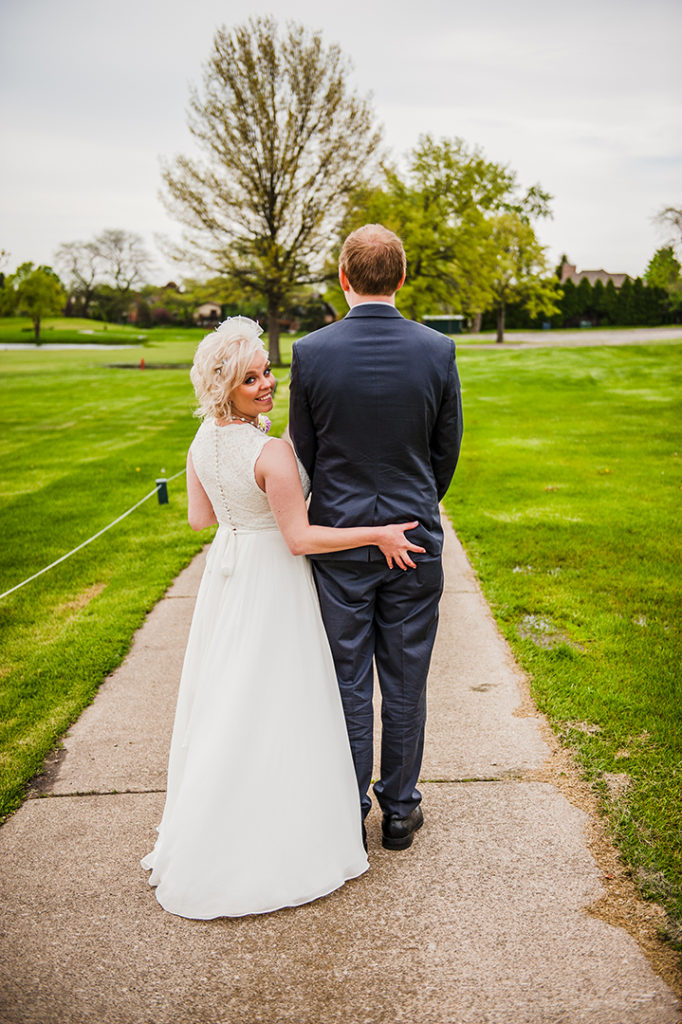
(262, 808)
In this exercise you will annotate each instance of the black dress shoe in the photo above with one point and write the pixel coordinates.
(364, 836)
(397, 832)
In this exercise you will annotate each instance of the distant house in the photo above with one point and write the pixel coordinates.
(208, 314)
(570, 273)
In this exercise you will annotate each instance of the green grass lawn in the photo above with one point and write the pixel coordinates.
(68, 330)
(81, 442)
(164, 342)
(567, 499)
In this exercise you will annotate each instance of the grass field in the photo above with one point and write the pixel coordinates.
(72, 331)
(82, 442)
(567, 499)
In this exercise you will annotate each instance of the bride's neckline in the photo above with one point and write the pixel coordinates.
(235, 422)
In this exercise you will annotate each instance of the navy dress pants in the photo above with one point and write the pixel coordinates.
(388, 616)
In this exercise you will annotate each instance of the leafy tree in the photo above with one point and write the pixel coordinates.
(231, 295)
(453, 189)
(568, 304)
(285, 142)
(641, 313)
(584, 299)
(598, 301)
(656, 306)
(521, 273)
(170, 304)
(664, 269)
(6, 298)
(625, 310)
(37, 292)
(610, 302)
(444, 207)
(664, 272)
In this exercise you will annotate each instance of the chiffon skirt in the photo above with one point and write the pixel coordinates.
(262, 808)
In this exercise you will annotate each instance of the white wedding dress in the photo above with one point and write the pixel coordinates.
(262, 808)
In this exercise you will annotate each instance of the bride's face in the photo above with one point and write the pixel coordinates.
(254, 395)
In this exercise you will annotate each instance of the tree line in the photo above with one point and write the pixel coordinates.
(289, 159)
(651, 300)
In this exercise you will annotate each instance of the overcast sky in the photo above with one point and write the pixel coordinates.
(583, 97)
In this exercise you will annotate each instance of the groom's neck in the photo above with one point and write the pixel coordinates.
(353, 299)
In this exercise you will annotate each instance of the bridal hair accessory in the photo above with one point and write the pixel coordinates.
(220, 360)
(234, 327)
(240, 323)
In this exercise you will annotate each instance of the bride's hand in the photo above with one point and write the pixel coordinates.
(395, 546)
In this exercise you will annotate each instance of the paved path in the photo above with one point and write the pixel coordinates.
(483, 920)
(586, 338)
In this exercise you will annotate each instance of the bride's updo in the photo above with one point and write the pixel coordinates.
(221, 362)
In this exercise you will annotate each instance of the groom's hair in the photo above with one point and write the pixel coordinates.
(373, 260)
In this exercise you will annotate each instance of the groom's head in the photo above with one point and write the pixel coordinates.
(373, 261)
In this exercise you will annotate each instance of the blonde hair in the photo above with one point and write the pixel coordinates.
(221, 362)
(373, 260)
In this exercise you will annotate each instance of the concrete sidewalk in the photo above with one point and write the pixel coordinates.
(584, 338)
(484, 919)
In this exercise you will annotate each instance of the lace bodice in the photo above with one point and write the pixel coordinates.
(224, 459)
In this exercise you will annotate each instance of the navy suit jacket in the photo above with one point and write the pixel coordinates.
(376, 419)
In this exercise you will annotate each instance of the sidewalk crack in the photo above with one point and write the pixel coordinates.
(94, 792)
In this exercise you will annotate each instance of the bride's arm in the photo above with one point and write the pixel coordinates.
(277, 474)
(199, 508)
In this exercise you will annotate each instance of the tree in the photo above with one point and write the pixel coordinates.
(38, 293)
(640, 308)
(438, 209)
(102, 273)
(442, 207)
(598, 302)
(284, 144)
(664, 269)
(233, 297)
(568, 304)
(670, 218)
(521, 272)
(80, 262)
(5, 292)
(124, 261)
(664, 272)
(584, 301)
(625, 311)
(611, 302)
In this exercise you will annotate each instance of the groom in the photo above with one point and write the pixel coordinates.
(376, 419)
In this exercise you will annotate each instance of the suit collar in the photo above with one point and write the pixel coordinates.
(373, 309)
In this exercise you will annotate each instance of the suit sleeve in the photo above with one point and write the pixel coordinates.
(301, 426)
(446, 438)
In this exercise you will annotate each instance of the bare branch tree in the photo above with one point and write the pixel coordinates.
(670, 217)
(123, 257)
(284, 144)
(80, 264)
